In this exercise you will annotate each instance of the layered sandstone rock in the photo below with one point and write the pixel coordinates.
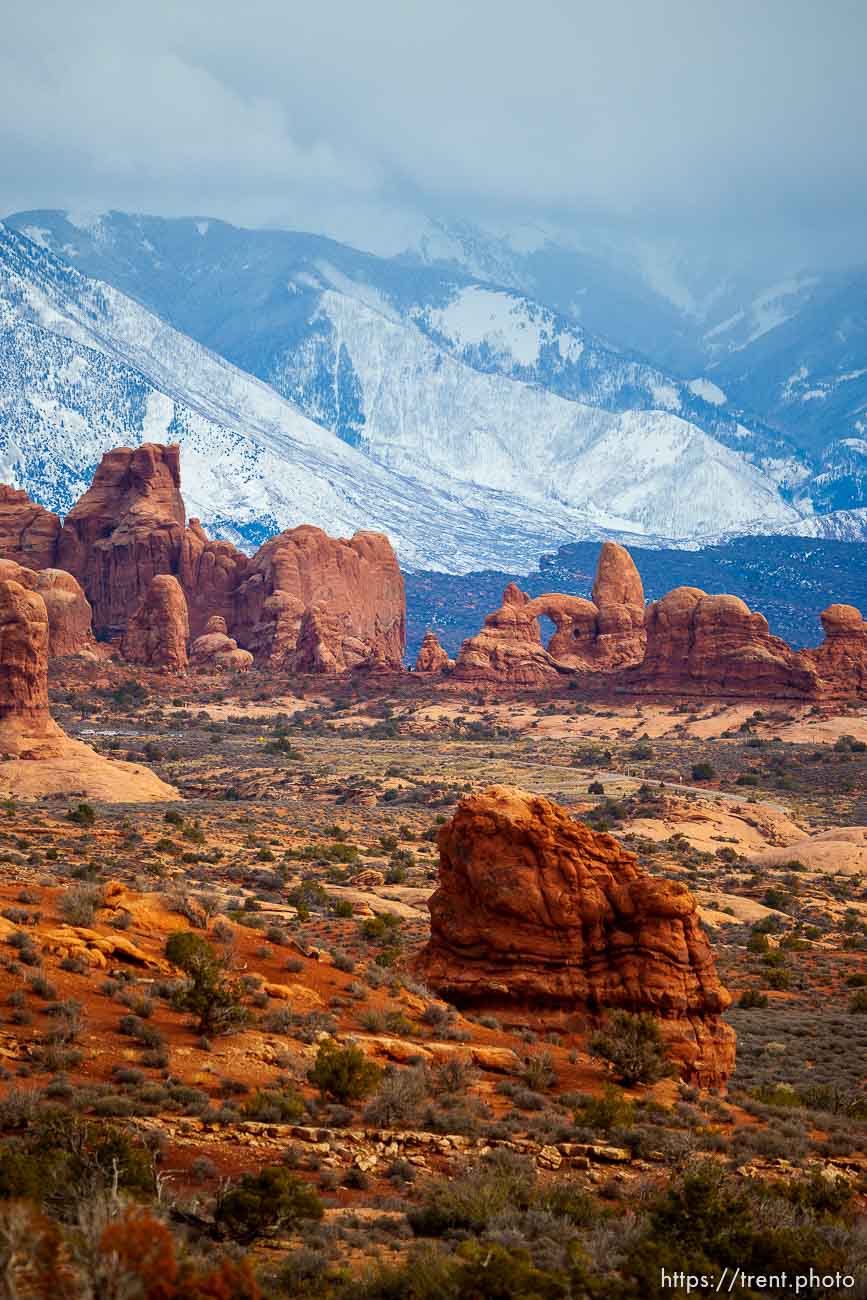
(536, 910)
(39, 758)
(431, 657)
(26, 726)
(598, 636)
(28, 533)
(69, 614)
(715, 645)
(841, 659)
(315, 603)
(158, 631)
(127, 528)
(216, 651)
(209, 572)
(508, 650)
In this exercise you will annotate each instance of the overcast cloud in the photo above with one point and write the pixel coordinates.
(745, 118)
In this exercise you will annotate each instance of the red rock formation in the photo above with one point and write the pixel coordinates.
(209, 572)
(508, 650)
(841, 659)
(26, 727)
(128, 527)
(601, 635)
(534, 909)
(28, 533)
(158, 631)
(431, 657)
(69, 615)
(715, 645)
(309, 599)
(216, 651)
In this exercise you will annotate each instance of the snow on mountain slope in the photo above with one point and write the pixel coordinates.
(424, 413)
(397, 397)
(67, 394)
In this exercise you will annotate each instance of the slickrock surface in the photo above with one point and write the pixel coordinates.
(431, 657)
(28, 532)
(536, 908)
(69, 613)
(158, 631)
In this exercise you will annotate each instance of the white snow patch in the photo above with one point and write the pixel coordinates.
(664, 395)
(38, 234)
(707, 391)
(159, 413)
(478, 316)
(203, 227)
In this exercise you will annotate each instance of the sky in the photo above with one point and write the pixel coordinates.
(731, 124)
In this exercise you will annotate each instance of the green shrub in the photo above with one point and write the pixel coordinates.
(343, 1074)
(633, 1048)
(261, 1203)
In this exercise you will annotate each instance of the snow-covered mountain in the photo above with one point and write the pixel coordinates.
(472, 423)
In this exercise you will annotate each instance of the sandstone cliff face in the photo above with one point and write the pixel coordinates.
(158, 631)
(508, 651)
(128, 527)
(431, 657)
(69, 614)
(348, 595)
(536, 909)
(715, 645)
(26, 726)
(209, 572)
(28, 533)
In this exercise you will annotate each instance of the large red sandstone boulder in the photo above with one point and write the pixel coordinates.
(216, 651)
(431, 657)
(315, 603)
(618, 594)
(158, 631)
(715, 645)
(69, 614)
(536, 910)
(128, 527)
(28, 533)
(26, 727)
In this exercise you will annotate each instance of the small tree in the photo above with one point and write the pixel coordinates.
(209, 994)
(259, 1203)
(633, 1047)
(343, 1074)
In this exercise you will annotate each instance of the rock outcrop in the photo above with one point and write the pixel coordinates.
(39, 758)
(26, 726)
(69, 614)
(535, 910)
(841, 659)
(216, 651)
(209, 572)
(598, 636)
(314, 603)
(127, 528)
(158, 631)
(28, 533)
(716, 646)
(431, 657)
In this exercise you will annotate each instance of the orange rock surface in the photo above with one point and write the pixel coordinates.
(69, 613)
(533, 908)
(351, 593)
(128, 527)
(431, 657)
(158, 631)
(28, 533)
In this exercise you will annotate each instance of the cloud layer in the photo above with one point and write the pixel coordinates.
(737, 117)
